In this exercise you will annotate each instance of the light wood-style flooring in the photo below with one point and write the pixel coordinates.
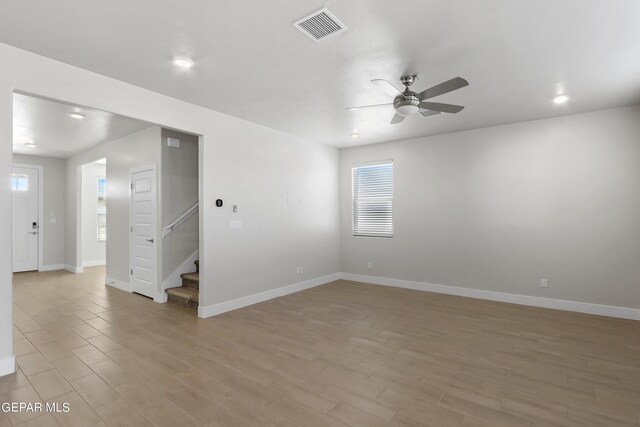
(341, 354)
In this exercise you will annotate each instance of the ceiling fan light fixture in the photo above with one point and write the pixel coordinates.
(409, 103)
(407, 110)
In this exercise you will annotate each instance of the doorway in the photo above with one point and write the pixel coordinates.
(94, 213)
(144, 217)
(26, 184)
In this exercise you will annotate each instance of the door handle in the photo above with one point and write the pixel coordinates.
(32, 232)
(150, 240)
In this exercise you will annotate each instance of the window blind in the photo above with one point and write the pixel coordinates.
(373, 199)
(102, 210)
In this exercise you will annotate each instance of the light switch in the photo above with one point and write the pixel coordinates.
(53, 220)
(236, 225)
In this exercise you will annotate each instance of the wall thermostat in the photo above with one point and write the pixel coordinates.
(219, 203)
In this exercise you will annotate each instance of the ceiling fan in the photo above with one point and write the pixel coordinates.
(407, 102)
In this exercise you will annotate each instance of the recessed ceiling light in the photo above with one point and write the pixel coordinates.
(355, 135)
(183, 62)
(560, 99)
(76, 115)
(29, 144)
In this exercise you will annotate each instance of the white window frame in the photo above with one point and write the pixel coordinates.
(354, 167)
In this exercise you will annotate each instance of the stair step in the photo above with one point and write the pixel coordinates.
(191, 276)
(184, 297)
(191, 280)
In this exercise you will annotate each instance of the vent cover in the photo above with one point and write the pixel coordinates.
(320, 25)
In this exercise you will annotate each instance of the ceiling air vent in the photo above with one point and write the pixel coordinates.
(320, 25)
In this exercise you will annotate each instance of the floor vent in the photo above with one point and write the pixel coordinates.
(320, 25)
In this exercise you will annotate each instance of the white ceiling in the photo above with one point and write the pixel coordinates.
(251, 63)
(56, 134)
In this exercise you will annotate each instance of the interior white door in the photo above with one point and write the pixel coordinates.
(143, 232)
(24, 186)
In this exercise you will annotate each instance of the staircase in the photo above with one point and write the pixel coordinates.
(187, 295)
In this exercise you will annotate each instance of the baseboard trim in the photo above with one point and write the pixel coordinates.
(223, 307)
(7, 366)
(73, 268)
(558, 304)
(161, 298)
(94, 263)
(118, 284)
(53, 267)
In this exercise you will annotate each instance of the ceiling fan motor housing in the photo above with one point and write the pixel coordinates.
(407, 104)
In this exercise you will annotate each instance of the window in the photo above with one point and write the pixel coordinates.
(19, 182)
(102, 209)
(373, 199)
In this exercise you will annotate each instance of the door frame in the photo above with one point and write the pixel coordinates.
(158, 239)
(40, 169)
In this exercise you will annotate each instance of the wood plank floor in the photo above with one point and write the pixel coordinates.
(341, 354)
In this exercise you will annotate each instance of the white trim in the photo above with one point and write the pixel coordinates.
(7, 366)
(174, 280)
(74, 268)
(161, 298)
(558, 304)
(223, 307)
(52, 267)
(40, 169)
(94, 263)
(118, 284)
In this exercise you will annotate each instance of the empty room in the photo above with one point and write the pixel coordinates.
(297, 213)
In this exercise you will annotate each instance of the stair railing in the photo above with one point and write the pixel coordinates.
(175, 224)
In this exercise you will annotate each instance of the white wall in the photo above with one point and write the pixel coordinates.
(234, 263)
(138, 149)
(500, 208)
(286, 191)
(93, 251)
(179, 192)
(53, 199)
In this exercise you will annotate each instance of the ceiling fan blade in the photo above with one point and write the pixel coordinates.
(387, 86)
(441, 108)
(448, 86)
(369, 106)
(427, 113)
(397, 119)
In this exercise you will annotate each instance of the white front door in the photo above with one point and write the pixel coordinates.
(143, 232)
(24, 186)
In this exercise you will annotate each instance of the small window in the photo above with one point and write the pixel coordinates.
(19, 182)
(373, 199)
(102, 209)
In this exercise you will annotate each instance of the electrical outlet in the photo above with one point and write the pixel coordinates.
(369, 264)
(543, 283)
(299, 270)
